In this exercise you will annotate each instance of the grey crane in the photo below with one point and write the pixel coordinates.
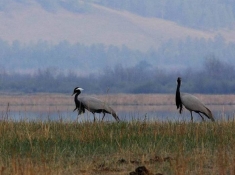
(191, 103)
(92, 104)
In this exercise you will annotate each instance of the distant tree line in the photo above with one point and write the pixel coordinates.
(75, 6)
(173, 54)
(216, 77)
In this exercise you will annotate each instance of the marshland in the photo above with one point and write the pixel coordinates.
(137, 48)
(66, 144)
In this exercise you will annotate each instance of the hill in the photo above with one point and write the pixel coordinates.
(29, 22)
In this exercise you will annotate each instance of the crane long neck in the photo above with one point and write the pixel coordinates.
(76, 98)
(177, 97)
(178, 88)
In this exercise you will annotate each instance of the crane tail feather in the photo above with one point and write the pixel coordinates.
(209, 114)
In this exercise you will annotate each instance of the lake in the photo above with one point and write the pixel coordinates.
(125, 112)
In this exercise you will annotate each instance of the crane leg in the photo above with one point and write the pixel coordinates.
(103, 116)
(94, 116)
(78, 114)
(191, 116)
(77, 117)
(201, 117)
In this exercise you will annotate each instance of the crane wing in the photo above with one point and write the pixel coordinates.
(192, 103)
(93, 104)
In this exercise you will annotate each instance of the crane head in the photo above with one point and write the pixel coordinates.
(77, 90)
(179, 80)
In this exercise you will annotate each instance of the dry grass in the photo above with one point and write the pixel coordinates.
(115, 99)
(122, 102)
(114, 148)
(117, 148)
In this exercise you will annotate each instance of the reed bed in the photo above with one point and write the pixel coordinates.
(116, 99)
(47, 102)
(117, 148)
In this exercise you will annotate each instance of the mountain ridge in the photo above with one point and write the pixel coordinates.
(30, 23)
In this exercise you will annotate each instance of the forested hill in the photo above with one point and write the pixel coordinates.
(91, 35)
(192, 13)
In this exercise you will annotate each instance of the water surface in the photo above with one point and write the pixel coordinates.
(125, 113)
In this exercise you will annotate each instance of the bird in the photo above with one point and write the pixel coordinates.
(191, 102)
(92, 104)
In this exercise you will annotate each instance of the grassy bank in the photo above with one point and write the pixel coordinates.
(117, 148)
